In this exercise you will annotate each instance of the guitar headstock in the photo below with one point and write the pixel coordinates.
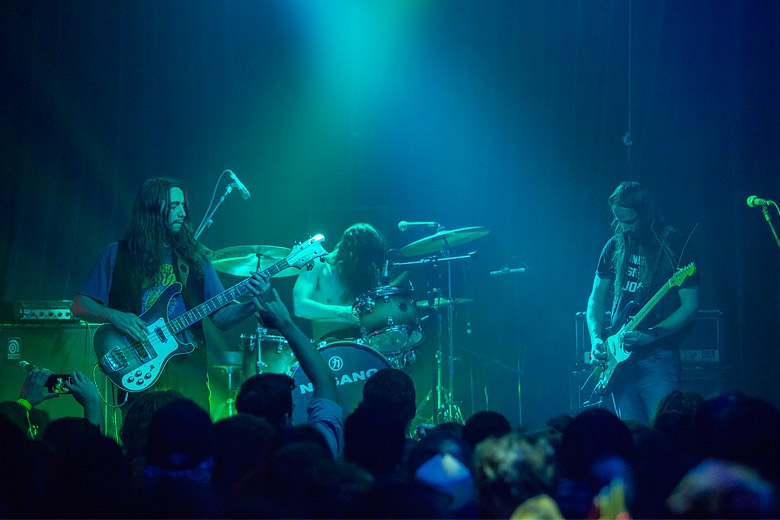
(684, 272)
(302, 254)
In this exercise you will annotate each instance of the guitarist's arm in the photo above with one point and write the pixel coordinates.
(91, 310)
(594, 317)
(689, 306)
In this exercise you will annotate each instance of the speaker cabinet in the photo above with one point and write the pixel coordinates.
(60, 346)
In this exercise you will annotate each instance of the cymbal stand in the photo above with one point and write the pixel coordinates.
(447, 408)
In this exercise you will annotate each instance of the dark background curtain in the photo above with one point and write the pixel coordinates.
(504, 114)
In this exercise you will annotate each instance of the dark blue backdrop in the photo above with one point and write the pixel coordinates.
(505, 114)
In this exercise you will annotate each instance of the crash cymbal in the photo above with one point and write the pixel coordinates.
(242, 260)
(443, 302)
(442, 240)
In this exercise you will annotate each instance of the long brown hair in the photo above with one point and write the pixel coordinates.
(149, 234)
(359, 257)
(636, 196)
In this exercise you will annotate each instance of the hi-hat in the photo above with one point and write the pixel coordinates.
(443, 302)
(443, 240)
(242, 260)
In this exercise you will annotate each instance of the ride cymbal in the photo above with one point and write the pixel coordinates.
(242, 260)
(443, 240)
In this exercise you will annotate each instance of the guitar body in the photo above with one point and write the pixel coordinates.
(627, 321)
(134, 366)
(616, 351)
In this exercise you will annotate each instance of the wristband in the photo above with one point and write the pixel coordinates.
(25, 403)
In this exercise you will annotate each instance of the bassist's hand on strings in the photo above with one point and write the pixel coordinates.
(129, 324)
(259, 285)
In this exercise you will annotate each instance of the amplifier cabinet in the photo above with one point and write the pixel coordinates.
(60, 346)
(701, 356)
(702, 346)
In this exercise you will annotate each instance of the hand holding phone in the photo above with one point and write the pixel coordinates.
(56, 383)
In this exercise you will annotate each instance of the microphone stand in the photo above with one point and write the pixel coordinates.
(768, 218)
(207, 221)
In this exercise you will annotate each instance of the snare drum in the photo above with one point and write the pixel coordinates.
(274, 355)
(388, 319)
(351, 364)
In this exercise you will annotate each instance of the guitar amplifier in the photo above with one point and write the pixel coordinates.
(34, 311)
(60, 346)
(702, 346)
(701, 356)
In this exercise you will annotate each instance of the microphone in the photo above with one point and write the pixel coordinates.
(507, 270)
(404, 225)
(240, 185)
(754, 202)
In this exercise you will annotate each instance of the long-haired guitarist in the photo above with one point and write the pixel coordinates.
(131, 275)
(641, 257)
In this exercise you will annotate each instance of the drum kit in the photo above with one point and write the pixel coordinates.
(390, 326)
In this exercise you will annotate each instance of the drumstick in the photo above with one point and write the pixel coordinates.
(400, 278)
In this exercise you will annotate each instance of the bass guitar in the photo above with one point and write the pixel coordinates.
(616, 351)
(135, 366)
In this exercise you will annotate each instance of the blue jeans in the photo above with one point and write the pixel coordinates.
(648, 379)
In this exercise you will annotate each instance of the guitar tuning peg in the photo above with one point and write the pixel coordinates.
(310, 266)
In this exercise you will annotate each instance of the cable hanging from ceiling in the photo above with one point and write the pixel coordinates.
(627, 138)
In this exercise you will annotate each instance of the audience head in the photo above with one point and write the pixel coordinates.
(589, 441)
(741, 429)
(268, 396)
(135, 426)
(485, 424)
(392, 390)
(510, 470)
(721, 489)
(374, 439)
(241, 448)
(181, 440)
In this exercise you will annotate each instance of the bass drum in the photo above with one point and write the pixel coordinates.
(351, 364)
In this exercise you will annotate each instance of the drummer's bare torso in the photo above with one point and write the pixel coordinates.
(320, 297)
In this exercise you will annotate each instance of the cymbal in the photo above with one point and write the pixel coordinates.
(242, 260)
(443, 239)
(443, 302)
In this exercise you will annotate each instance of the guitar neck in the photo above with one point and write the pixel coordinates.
(645, 310)
(212, 305)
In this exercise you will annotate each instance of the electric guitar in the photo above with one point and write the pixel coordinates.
(135, 366)
(616, 351)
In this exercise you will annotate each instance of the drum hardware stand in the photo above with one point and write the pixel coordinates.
(232, 364)
(447, 408)
(230, 402)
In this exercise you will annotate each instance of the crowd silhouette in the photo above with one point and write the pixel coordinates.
(699, 458)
